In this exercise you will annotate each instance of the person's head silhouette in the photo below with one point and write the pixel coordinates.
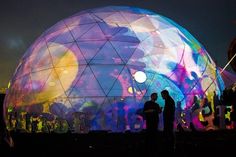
(153, 96)
(165, 94)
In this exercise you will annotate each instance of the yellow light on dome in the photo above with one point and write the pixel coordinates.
(9, 84)
(61, 76)
(130, 90)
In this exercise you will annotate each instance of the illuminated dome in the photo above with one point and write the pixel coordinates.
(104, 63)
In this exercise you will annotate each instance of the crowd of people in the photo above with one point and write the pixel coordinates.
(207, 113)
(218, 113)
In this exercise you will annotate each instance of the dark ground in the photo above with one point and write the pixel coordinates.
(214, 143)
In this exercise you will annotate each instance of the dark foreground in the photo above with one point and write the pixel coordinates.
(215, 143)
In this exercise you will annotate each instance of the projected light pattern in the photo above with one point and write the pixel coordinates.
(98, 67)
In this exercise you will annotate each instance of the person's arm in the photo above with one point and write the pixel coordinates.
(159, 109)
(145, 107)
(173, 110)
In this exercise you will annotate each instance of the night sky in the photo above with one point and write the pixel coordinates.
(211, 22)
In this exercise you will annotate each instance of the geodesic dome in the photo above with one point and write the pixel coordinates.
(104, 63)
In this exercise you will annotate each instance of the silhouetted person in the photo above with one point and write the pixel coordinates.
(27, 121)
(34, 125)
(195, 110)
(169, 117)
(179, 117)
(233, 116)
(195, 104)
(121, 123)
(216, 99)
(6, 141)
(151, 112)
(207, 109)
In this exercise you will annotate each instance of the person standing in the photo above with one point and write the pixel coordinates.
(151, 113)
(6, 141)
(169, 117)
